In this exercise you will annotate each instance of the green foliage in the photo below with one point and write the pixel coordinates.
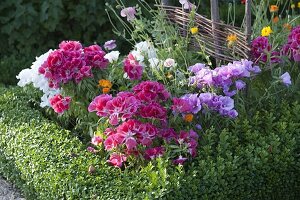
(10, 66)
(254, 158)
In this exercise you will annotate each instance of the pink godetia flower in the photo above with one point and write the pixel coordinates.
(97, 140)
(129, 12)
(181, 106)
(117, 159)
(110, 143)
(59, 103)
(179, 161)
(99, 103)
(110, 45)
(292, 47)
(153, 111)
(133, 68)
(187, 4)
(92, 150)
(153, 153)
(72, 63)
(94, 56)
(260, 47)
(168, 134)
(169, 62)
(70, 46)
(286, 79)
(123, 107)
(148, 91)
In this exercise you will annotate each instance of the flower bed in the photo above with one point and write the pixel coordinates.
(162, 121)
(255, 158)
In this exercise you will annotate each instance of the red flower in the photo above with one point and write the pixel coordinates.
(60, 103)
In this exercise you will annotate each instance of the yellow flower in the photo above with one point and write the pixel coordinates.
(105, 90)
(104, 83)
(298, 5)
(266, 31)
(293, 6)
(273, 8)
(232, 38)
(188, 117)
(194, 30)
(275, 19)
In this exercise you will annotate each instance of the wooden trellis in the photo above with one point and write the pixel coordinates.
(212, 32)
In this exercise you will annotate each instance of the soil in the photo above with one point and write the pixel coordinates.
(8, 191)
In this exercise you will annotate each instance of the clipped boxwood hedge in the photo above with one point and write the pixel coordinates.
(256, 158)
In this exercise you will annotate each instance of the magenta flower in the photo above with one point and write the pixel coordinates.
(286, 79)
(181, 106)
(155, 152)
(110, 45)
(94, 56)
(70, 46)
(91, 149)
(129, 12)
(117, 159)
(97, 140)
(259, 48)
(132, 67)
(59, 103)
(179, 161)
(110, 143)
(99, 103)
(153, 111)
(148, 91)
(292, 48)
(72, 63)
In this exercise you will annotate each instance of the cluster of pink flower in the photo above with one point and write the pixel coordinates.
(59, 103)
(131, 134)
(72, 62)
(292, 48)
(133, 68)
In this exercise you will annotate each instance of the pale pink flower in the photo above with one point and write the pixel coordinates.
(129, 12)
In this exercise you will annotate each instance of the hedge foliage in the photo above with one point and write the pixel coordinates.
(256, 158)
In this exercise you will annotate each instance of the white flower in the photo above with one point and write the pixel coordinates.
(31, 75)
(154, 62)
(125, 76)
(112, 56)
(137, 55)
(169, 62)
(146, 48)
(142, 46)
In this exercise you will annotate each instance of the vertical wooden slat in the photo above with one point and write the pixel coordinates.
(215, 17)
(248, 23)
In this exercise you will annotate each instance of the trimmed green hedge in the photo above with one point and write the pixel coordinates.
(256, 158)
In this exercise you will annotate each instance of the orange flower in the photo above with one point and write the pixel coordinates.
(188, 117)
(275, 19)
(287, 26)
(104, 83)
(274, 8)
(105, 90)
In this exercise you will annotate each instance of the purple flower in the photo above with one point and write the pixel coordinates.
(239, 84)
(187, 4)
(286, 79)
(110, 45)
(196, 68)
(91, 149)
(194, 101)
(129, 12)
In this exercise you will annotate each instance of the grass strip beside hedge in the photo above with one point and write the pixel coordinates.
(257, 158)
